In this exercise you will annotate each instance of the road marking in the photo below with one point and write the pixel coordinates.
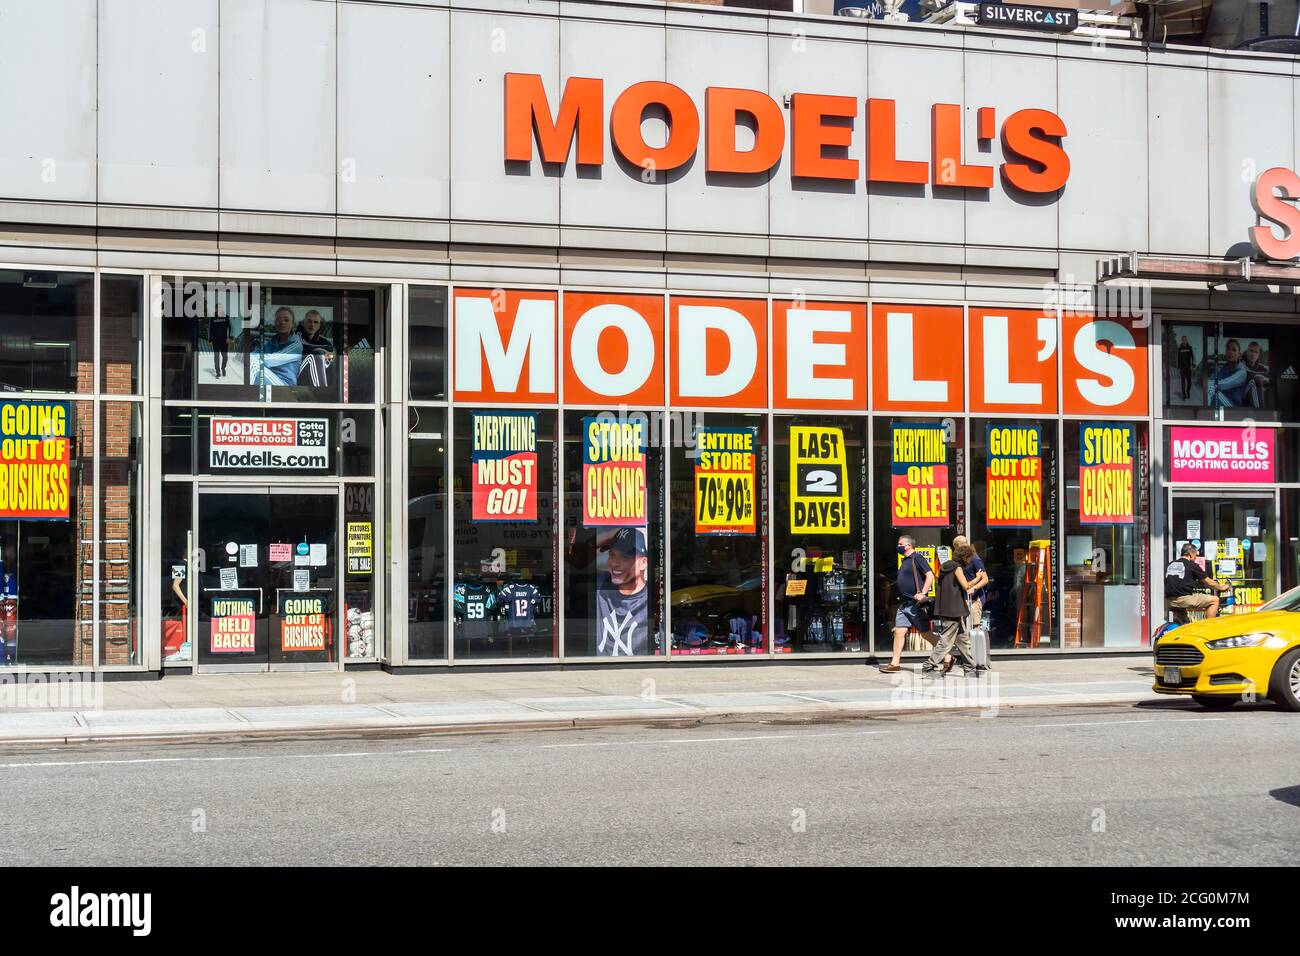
(709, 740)
(1149, 720)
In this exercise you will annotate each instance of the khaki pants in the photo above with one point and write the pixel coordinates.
(976, 617)
(952, 631)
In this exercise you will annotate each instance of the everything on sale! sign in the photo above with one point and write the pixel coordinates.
(919, 475)
(503, 466)
(35, 460)
(724, 481)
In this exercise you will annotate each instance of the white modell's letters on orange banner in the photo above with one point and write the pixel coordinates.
(610, 349)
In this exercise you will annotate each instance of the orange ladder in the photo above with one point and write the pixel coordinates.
(1038, 576)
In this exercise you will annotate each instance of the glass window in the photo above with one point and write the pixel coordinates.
(613, 537)
(426, 534)
(819, 568)
(1014, 530)
(46, 533)
(1107, 534)
(47, 331)
(120, 333)
(718, 529)
(920, 479)
(427, 342)
(503, 597)
(360, 543)
(119, 532)
(250, 341)
(177, 524)
(1229, 371)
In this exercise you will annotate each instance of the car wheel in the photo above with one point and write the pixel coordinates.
(1284, 684)
(1214, 701)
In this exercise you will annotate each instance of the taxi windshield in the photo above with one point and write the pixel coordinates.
(1290, 601)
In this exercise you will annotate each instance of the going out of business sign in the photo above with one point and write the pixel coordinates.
(268, 443)
(1027, 17)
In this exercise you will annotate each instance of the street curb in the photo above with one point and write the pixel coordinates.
(811, 714)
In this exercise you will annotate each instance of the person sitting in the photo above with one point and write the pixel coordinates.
(1185, 583)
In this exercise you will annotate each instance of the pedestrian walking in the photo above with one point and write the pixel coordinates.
(914, 579)
(951, 611)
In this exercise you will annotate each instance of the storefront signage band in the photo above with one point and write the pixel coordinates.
(820, 126)
(1274, 195)
(1027, 16)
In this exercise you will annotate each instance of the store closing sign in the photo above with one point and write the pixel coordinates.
(1231, 455)
(503, 465)
(819, 488)
(725, 481)
(613, 473)
(304, 624)
(232, 625)
(919, 475)
(1106, 472)
(35, 460)
(1014, 477)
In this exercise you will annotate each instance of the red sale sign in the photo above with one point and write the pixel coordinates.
(1231, 455)
(503, 462)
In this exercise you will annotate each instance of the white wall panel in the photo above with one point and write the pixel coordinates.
(613, 194)
(1251, 118)
(1008, 84)
(158, 139)
(1178, 148)
(277, 136)
(394, 116)
(1104, 106)
(801, 64)
(698, 59)
(915, 79)
(484, 47)
(47, 112)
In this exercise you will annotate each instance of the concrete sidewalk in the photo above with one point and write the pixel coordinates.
(469, 699)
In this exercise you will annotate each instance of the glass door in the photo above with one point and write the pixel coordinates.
(1236, 535)
(268, 578)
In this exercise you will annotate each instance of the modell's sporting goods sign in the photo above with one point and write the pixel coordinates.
(256, 444)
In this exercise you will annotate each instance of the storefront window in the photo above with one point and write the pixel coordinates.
(120, 480)
(1014, 530)
(613, 536)
(1229, 371)
(504, 522)
(236, 341)
(120, 333)
(920, 480)
(177, 525)
(426, 534)
(427, 343)
(47, 331)
(359, 592)
(47, 550)
(718, 528)
(1107, 534)
(819, 566)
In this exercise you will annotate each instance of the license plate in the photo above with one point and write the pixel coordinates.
(1173, 675)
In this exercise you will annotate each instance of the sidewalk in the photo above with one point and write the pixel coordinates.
(304, 704)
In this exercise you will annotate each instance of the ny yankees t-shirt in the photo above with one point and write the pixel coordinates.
(622, 621)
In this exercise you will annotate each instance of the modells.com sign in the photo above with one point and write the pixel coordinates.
(268, 443)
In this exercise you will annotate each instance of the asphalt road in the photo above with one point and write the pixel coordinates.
(1163, 783)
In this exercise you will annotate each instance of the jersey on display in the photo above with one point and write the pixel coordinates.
(473, 606)
(518, 602)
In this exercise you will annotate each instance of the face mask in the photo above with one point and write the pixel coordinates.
(901, 550)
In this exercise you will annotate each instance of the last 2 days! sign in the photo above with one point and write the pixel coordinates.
(819, 488)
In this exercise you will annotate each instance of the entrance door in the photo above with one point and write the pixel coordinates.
(1236, 534)
(268, 579)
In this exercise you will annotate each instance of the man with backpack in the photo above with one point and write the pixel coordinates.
(951, 611)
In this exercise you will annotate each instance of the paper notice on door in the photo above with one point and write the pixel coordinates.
(281, 552)
(248, 555)
(1261, 551)
(302, 580)
(229, 579)
(1211, 550)
(1193, 527)
(1231, 547)
(1252, 526)
(317, 555)
(301, 560)
(1227, 568)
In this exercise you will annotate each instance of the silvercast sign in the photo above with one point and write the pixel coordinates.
(1025, 16)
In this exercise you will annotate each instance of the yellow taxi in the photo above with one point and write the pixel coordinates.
(1234, 657)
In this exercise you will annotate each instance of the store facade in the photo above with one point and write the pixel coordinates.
(616, 333)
